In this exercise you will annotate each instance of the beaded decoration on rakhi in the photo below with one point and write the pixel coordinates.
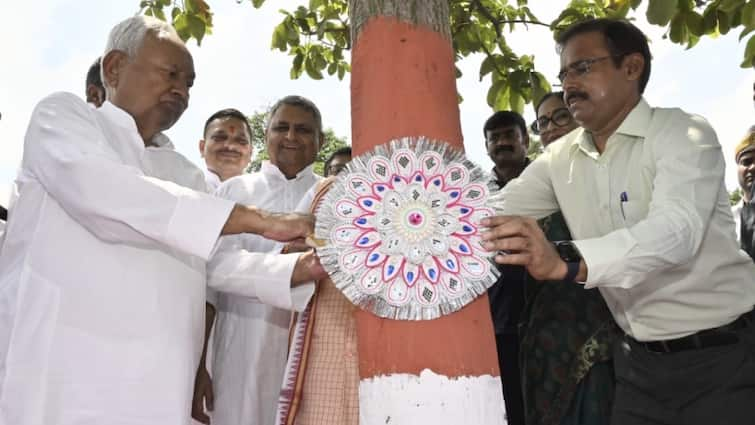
(402, 233)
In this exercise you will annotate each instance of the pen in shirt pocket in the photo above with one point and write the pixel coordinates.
(623, 198)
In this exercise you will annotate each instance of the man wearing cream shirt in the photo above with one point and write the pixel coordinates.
(642, 191)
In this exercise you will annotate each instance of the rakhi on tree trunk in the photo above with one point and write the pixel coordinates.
(401, 230)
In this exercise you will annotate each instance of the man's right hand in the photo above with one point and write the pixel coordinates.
(307, 269)
(282, 227)
(287, 227)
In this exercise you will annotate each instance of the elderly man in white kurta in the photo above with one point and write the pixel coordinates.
(103, 272)
(251, 338)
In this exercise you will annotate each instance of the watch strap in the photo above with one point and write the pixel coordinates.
(572, 270)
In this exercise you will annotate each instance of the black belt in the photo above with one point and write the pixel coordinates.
(715, 337)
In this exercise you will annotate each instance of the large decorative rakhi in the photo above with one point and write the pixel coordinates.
(401, 230)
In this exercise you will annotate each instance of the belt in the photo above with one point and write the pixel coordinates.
(715, 337)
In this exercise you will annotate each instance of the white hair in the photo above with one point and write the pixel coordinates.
(128, 36)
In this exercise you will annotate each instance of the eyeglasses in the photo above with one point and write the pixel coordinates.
(581, 68)
(560, 117)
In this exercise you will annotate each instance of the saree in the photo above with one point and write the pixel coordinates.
(321, 384)
(565, 353)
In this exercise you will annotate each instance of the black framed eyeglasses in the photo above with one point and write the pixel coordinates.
(560, 117)
(582, 67)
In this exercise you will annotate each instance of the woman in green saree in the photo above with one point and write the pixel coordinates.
(567, 331)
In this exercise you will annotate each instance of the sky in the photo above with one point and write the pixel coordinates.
(48, 46)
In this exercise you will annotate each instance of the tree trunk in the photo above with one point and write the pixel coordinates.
(442, 371)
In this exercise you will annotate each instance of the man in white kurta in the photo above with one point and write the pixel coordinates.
(251, 338)
(226, 149)
(102, 277)
(226, 146)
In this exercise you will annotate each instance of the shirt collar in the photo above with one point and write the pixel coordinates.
(210, 176)
(162, 141)
(124, 120)
(494, 174)
(271, 170)
(118, 116)
(635, 124)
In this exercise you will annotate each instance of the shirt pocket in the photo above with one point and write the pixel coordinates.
(633, 212)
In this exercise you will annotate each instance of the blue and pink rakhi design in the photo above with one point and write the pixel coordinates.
(402, 232)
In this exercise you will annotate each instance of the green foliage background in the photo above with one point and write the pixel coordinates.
(316, 36)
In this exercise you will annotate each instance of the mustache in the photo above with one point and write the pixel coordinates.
(502, 148)
(228, 151)
(576, 95)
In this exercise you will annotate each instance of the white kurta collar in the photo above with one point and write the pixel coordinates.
(124, 120)
(273, 171)
(212, 179)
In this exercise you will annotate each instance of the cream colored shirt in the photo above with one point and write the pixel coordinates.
(666, 259)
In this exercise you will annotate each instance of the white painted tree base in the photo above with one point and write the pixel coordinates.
(403, 399)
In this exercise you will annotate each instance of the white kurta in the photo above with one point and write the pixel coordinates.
(212, 180)
(102, 274)
(251, 338)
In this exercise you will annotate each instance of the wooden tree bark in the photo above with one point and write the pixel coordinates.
(403, 83)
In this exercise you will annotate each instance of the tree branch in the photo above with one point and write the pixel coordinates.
(497, 23)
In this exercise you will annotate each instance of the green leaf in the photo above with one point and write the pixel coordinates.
(749, 60)
(730, 6)
(196, 28)
(748, 15)
(678, 31)
(181, 24)
(312, 70)
(298, 61)
(494, 92)
(710, 20)
(540, 86)
(279, 38)
(723, 22)
(660, 12)
(502, 100)
(745, 32)
(257, 3)
(695, 23)
(516, 100)
(487, 66)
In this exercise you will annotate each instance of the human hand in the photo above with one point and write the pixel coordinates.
(521, 241)
(203, 396)
(287, 227)
(307, 268)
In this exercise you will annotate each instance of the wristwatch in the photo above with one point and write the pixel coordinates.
(571, 256)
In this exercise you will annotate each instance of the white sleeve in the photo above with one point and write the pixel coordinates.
(531, 194)
(66, 152)
(689, 177)
(236, 269)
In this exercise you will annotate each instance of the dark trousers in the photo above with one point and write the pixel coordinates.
(508, 361)
(713, 385)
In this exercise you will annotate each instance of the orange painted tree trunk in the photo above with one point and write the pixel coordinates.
(403, 83)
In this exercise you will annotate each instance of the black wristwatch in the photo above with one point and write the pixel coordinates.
(571, 256)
